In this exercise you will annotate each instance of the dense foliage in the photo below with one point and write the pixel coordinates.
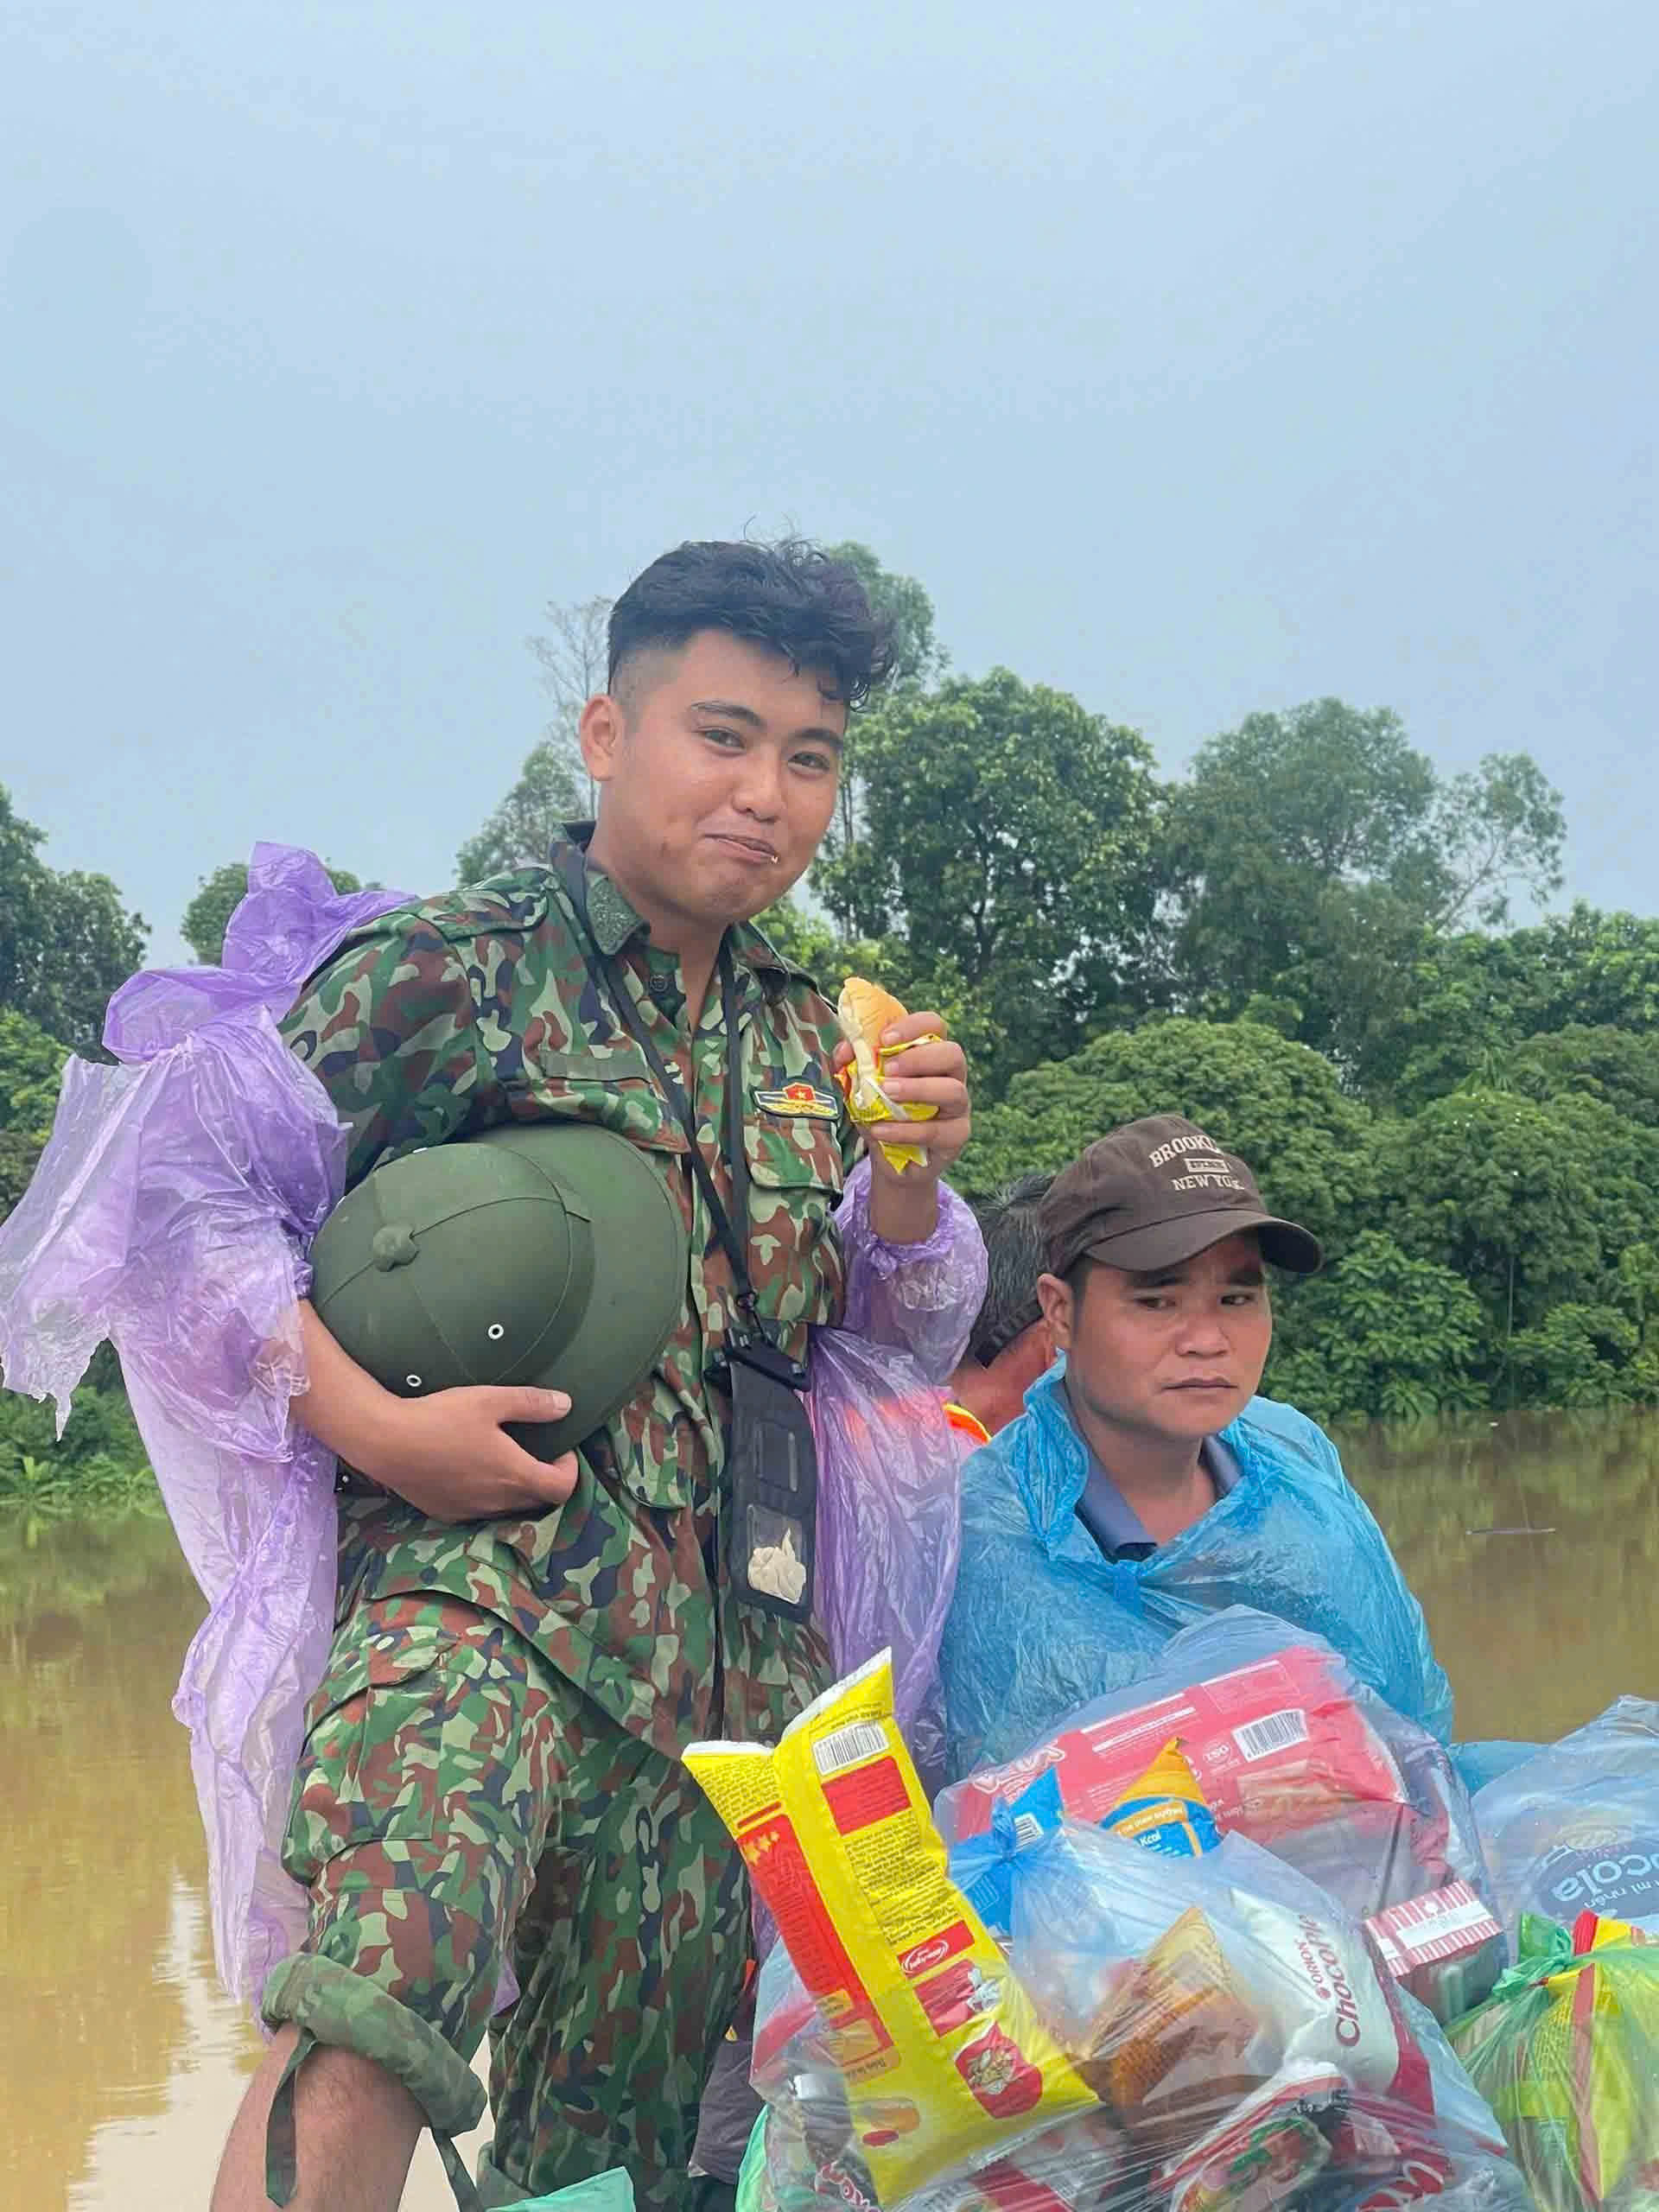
(65, 939)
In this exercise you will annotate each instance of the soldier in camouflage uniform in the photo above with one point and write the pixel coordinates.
(491, 1778)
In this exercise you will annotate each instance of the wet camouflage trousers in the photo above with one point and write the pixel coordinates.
(460, 1802)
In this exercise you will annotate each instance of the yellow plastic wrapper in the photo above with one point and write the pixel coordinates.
(1166, 1810)
(864, 1010)
(942, 2054)
(1565, 2051)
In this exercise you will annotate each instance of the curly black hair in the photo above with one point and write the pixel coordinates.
(790, 596)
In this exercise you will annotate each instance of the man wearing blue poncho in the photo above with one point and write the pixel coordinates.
(1145, 1484)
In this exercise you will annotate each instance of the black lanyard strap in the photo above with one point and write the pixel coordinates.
(753, 1340)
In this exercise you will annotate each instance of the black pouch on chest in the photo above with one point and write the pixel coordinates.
(773, 1472)
(772, 1467)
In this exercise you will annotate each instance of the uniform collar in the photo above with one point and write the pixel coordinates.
(611, 915)
(614, 921)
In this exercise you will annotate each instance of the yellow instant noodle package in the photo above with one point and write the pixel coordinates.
(1165, 1810)
(944, 2056)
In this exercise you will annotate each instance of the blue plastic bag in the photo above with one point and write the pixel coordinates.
(1042, 1623)
(1576, 1828)
(1490, 1758)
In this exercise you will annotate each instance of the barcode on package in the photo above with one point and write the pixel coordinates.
(1274, 1732)
(1027, 1830)
(860, 1739)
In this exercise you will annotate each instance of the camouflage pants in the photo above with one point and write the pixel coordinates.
(460, 1804)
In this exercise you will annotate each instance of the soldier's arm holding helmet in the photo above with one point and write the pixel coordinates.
(390, 1029)
(448, 1454)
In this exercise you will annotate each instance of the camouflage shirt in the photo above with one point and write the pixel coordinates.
(479, 1008)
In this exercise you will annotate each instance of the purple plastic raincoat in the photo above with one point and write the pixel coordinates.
(172, 1212)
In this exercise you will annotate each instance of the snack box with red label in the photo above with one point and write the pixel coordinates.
(1445, 1947)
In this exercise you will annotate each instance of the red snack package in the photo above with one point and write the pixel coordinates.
(1277, 1745)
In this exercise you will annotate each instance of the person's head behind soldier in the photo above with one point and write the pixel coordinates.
(1011, 1344)
(1155, 1288)
(717, 742)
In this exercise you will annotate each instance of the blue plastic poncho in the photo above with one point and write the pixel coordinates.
(1043, 1623)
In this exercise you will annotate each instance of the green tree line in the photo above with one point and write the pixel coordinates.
(1306, 942)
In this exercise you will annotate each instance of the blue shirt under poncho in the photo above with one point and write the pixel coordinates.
(1042, 1623)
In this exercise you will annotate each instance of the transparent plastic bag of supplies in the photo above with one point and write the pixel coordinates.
(1293, 1752)
(1243, 2047)
(1056, 2015)
(1565, 2051)
(1575, 1828)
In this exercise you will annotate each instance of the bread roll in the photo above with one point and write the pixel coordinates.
(865, 1011)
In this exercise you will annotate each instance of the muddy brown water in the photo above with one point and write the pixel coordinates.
(1533, 1542)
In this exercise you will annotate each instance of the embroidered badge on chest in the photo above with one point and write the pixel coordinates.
(799, 1101)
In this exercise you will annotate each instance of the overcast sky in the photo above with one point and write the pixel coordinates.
(1197, 356)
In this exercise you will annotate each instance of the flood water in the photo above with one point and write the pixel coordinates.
(121, 2061)
(1533, 1544)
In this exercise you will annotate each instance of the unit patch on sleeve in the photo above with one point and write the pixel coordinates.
(795, 1100)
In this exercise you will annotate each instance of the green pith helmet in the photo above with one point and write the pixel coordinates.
(549, 1253)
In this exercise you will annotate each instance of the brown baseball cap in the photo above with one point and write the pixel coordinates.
(1156, 1192)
